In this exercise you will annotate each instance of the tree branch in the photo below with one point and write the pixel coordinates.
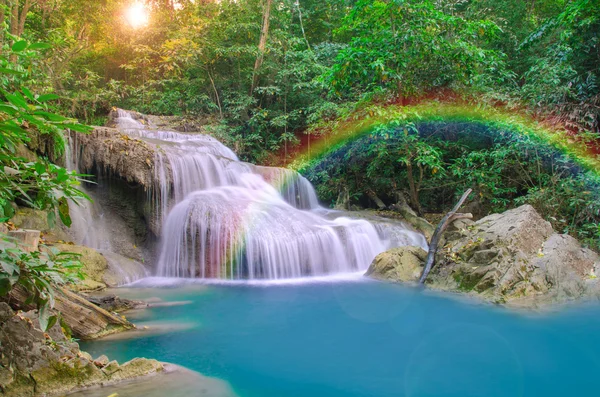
(439, 231)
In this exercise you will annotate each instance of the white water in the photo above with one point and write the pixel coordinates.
(89, 227)
(226, 219)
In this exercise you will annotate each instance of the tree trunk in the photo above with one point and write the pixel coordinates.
(2, 20)
(14, 17)
(414, 193)
(23, 17)
(262, 44)
(439, 231)
(378, 202)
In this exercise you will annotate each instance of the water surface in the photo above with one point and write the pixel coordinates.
(362, 338)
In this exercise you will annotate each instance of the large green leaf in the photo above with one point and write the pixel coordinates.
(63, 211)
(44, 316)
(47, 97)
(19, 46)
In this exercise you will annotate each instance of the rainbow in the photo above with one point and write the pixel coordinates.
(335, 134)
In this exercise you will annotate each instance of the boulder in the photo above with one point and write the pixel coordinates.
(399, 264)
(509, 258)
(32, 219)
(26, 239)
(103, 268)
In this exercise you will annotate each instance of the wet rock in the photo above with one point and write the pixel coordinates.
(121, 270)
(129, 158)
(399, 264)
(113, 303)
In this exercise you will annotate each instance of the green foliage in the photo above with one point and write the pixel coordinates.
(433, 163)
(409, 47)
(564, 56)
(37, 273)
(24, 117)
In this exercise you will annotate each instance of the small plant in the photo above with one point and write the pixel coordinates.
(37, 272)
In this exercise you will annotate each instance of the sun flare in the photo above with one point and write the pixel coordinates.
(137, 15)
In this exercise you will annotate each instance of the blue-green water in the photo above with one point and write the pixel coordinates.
(370, 339)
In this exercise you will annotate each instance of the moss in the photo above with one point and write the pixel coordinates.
(109, 330)
(466, 281)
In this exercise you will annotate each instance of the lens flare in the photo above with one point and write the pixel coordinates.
(137, 15)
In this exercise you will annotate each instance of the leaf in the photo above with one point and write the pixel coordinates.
(44, 316)
(40, 168)
(39, 46)
(63, 211)
(78, 128)
(28, 94)
(9, 268)
(17, 101)
(51, 321)
(51, 219)
(5, 286)
(19, 46)
(10, 71)
(65, 327)
(50, 116)
(47, 97)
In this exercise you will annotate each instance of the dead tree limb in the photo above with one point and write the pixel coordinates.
(439, 231)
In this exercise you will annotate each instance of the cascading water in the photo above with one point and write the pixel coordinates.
(88, 226)
(223, 218)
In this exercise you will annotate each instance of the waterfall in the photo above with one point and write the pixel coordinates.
(223, 218)
(88, 224)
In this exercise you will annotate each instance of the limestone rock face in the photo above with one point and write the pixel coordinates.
(399, 264)
(33, 363)
(514, 257)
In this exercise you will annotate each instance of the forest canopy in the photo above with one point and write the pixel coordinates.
(265, 69)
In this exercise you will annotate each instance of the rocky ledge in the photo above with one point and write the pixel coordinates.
(513, 258)
(34, 363)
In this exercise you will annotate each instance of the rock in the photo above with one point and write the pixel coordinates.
(103, 268)
(521, 229)
(94, 263)
(119, 154)
(511, 258)
(133, 369)
(112, 303)
(36, 364)
(26, 239)
(29, 218)
(399, 264)
(86, 320)
(101, 361)
(121, 270)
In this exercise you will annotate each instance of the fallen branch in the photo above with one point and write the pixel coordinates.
(439, 231)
